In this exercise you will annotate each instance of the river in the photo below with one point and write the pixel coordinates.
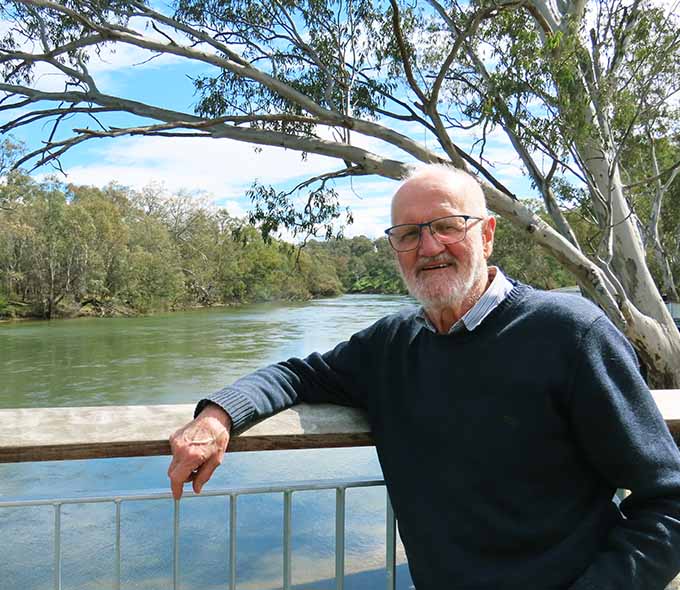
(175, 358)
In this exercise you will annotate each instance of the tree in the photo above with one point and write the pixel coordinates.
(656, 204)
(571, 84)
(59, 238)
(523, 259)
(105, 211)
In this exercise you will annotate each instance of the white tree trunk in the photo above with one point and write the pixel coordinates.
(648, 323)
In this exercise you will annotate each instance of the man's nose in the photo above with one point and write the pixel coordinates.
(429, 245)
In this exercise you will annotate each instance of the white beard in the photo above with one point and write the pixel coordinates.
(447, 287)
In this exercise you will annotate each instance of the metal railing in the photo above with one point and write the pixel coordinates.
(58, 434)
(286, 488)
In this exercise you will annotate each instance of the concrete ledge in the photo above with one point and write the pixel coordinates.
(668, 402)
(53, 434)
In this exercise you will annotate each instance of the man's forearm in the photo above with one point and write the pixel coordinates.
(276, 387)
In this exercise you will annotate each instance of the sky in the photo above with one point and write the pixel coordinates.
(221, 170)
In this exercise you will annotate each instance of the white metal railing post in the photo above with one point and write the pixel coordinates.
(287, 552)
(339, 538)
(117, 502)
(175, 548)
(390, 544)
(57, 546)
(232, 541)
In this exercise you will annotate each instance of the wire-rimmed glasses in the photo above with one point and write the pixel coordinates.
(447, 230)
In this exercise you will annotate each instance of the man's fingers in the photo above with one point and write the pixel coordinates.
(179, 473)
(177, 487)
(205, 472)
(178, 477)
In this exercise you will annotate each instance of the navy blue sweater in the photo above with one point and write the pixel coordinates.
(502, 447)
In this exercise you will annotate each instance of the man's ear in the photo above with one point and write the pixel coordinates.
(488, 231)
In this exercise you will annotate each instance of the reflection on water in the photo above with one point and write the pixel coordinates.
(175, 358)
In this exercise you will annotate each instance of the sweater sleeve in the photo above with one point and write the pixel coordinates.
(338, 377)
(625, 438)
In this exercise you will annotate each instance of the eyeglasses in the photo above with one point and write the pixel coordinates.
(447, 230)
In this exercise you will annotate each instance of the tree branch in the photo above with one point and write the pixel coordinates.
(366, 161)
(675, 168)
(405, 57)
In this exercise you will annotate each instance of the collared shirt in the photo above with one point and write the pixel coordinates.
(491, 298)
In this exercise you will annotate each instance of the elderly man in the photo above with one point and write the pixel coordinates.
(504, 417)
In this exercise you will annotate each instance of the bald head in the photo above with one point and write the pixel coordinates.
(449, 184)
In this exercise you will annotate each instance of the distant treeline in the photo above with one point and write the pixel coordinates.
(78, 250)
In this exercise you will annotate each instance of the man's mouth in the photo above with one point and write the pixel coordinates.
(436, 266)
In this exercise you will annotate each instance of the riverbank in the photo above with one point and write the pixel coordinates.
(20, 312)
(109, 309)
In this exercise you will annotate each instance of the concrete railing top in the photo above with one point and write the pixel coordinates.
(51, 434)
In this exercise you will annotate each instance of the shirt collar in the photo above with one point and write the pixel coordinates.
(491, 298)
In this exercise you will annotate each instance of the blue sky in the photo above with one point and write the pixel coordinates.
(222, 170)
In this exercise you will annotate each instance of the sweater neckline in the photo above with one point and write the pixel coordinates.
(517, 293)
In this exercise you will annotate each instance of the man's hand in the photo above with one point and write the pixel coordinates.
(198, 448)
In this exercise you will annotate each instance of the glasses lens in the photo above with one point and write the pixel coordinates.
(449, 229)
(404, 237)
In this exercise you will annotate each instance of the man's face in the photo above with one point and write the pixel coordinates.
(437, 274)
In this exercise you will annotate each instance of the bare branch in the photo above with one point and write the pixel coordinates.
(509, 123)
(242, 68)
(405, 57)
(674, 168)
(469, 31)
(323, 178)
(366, 161)
(623, 37)
(653, 226)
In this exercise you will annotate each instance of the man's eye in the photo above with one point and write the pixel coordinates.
(409, 234)
(448, 226)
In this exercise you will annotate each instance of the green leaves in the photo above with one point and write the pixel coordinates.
(303, 217)
(63, 248)
(315, 47)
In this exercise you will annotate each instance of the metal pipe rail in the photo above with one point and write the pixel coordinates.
(286, 488)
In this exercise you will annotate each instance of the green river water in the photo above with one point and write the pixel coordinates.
(175, 358)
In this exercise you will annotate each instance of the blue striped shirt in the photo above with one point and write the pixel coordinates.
(491, 298)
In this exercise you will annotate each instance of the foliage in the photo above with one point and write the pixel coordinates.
(79, 249)
(362, 265)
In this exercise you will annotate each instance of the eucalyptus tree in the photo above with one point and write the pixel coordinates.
(569, 83)
(657, 204)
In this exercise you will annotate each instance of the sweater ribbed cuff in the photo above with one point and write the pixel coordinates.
(238, 406)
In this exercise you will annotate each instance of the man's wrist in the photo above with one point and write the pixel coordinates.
(213, 410)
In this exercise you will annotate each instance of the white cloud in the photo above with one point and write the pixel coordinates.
(124, 56)
(369, 201)
(221, 167)
(225, 169)
(234, 207)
